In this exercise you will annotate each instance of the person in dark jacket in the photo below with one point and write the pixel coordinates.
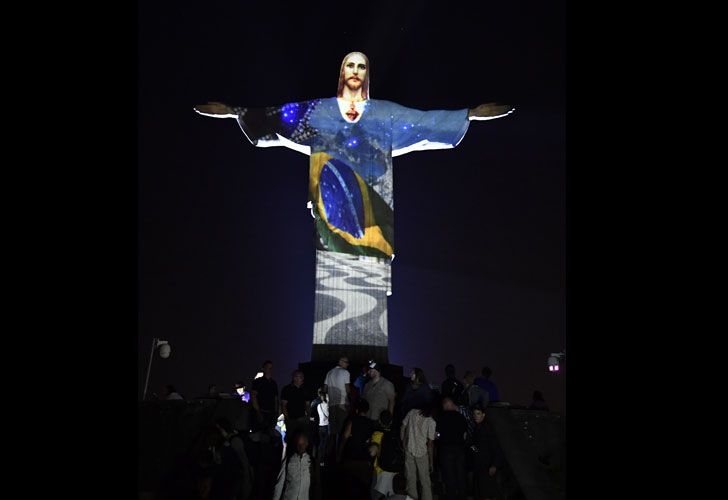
(453, 430)
(355, 460)
(487, 457)
(452, 387)
(417, 393)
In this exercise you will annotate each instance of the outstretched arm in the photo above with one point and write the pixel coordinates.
(287, 125)
(490, 111)
(416, 130)
(216, 110)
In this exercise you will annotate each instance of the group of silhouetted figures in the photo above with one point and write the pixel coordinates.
(344, 439)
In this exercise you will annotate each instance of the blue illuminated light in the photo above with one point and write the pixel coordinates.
(290, 113)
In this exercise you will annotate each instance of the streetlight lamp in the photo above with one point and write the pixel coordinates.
(164, 351)
(555, 359)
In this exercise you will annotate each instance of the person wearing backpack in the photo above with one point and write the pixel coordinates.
(418, 434)
(388, 456)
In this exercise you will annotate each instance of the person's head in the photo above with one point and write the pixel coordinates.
(169, 389)
(469, 378)
(426, 409)
(344, 362)
(537, 396)
(448, 404)
(361, 406)
(373, 449)
(323, 392)
(301, 443)
(240, 389)
(417, 376)
(450, 371)
(399, 484)
(478, 413)
(297, 378)
(268, 368)
(212, 390)
(486, 372)
(210, 435)
(374, 368)
(354, 74)
(385, 419)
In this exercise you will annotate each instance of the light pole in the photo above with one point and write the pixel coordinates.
(164, 351)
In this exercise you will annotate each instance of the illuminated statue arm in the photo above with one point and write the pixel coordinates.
(416, 130)
(490, 111)
(286, 125)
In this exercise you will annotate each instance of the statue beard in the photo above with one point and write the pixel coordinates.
(354, 85)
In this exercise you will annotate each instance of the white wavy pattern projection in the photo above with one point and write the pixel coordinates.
(351, 299)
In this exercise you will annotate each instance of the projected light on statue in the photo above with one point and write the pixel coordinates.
(351, 140)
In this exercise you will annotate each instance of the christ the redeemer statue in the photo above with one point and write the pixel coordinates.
(351, 140)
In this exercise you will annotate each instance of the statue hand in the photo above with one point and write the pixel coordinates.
(215, 110)
(490, 111)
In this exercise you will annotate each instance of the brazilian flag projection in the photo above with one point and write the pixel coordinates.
(352, 217)
(351, 145)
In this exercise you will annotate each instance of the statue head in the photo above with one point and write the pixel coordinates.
(354, 74)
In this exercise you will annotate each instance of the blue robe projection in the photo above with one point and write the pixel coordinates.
(350, 195)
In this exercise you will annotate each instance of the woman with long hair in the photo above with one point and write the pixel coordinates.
(417, 393)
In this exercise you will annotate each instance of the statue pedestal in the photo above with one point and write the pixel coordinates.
(357, 354)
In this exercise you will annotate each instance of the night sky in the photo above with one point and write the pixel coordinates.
(226, 252)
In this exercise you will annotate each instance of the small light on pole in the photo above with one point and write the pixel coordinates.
(164, 349)
(555, 359)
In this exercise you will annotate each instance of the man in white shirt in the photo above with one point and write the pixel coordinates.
(294, 476)
(338, 382)
(418, 434)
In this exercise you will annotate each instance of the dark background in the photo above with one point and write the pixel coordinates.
(226, 255)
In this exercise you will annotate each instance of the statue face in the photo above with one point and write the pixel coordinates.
(355, 71)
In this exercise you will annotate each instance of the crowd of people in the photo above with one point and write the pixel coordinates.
(340, 439)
